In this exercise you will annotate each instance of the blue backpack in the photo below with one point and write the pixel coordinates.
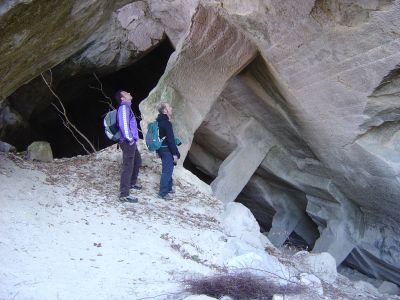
(153, 141)
(111, 128)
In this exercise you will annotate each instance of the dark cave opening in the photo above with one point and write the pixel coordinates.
(190, 166)
(86, 104)
(295, 241)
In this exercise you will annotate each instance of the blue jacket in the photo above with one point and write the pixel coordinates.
(127, 122)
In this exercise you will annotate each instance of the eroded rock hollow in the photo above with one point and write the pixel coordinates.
(290, 107)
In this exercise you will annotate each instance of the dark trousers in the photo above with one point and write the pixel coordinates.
(166, 173)
(131, 162)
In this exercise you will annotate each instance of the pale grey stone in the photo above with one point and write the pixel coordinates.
(40, 151)
(322, 265)
(239, 222)
(5, 147)
(389, 288)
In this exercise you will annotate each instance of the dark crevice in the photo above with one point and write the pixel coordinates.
(297, 242)
(190, 166)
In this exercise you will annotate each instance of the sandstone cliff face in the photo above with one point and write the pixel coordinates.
(300, 118)
(290, 106)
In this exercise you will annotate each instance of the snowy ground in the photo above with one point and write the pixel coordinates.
(64, 235)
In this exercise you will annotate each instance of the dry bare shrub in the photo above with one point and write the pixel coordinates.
(239, 285)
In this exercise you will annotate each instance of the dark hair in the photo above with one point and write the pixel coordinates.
(117, 95)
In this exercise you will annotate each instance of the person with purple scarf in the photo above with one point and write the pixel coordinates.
(131, 159)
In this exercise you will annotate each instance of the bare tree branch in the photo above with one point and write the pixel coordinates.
(100, 88)
(70, 130)
(63, 115)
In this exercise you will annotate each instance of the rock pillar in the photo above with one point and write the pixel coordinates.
(236, 170)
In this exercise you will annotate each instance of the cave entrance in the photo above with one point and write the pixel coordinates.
(194, 169)
(252, 105)
(86, 104)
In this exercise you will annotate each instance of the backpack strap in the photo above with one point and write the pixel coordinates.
(161, 139)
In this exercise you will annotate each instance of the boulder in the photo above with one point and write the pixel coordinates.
(40, 151)
(239, 223)
(389, 288)
(238, 220)
(322, 265)
(5, 147)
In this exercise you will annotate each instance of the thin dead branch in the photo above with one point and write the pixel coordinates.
(100, 88)
(63, 115)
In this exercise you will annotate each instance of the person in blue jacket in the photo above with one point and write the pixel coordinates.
(168, 152)
(131, 159)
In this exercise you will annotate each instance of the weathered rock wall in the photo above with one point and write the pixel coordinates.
(317, 109)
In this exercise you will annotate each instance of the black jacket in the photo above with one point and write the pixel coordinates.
(165, 130)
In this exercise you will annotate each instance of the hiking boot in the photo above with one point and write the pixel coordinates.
(172, 191)
(167, 197)
(129, 199)
(136, 187)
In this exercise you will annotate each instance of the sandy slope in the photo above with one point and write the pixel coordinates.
(64, 235)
